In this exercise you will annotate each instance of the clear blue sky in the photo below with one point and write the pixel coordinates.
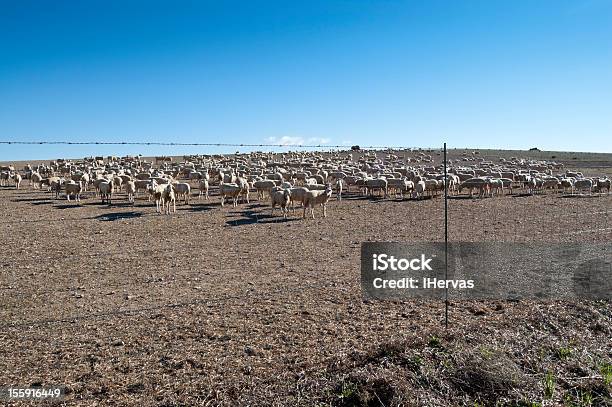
(508, 74)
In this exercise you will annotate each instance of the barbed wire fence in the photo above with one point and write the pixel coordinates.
(480, 219)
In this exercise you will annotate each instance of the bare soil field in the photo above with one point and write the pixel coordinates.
(229, 306)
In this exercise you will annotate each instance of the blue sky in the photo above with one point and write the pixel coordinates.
(506, 74)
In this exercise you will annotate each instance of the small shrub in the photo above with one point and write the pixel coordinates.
(434, 342)
(563, 353)
(606, 373)
(485, 377)
(347, 393)
(549, 385)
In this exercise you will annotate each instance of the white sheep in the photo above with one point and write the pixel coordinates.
(142, 184)
(318, 197)
(298, 194)
(281, 198)
(168, 197)
(117, 182)
(4, 178)
(130, 189)
(182, 190)
(584, 184)
(419, 189)
(604, 184)
(17, 180)
(85, 180)
(203, 186)
(379, 184)
(263, 186)
(73, 188)
(155, 191)
(106, 191)
(35, 180)
(339, 189)
(230, 191)
(244, 188)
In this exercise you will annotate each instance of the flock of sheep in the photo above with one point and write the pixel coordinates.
(307, 178)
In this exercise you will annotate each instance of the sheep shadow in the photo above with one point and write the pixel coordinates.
(44, 202)
(30, 199)
(463, 197)
(201, 207)
(594, 195)
(113, 204)
(249, 217)
(370, 198)
(67, 206)
(522, 195)
(259, 204)
(111, 217)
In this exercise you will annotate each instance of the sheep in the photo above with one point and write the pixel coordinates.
(530, 184)
(55, 185)
(604, 183)
(130, 189)
(350, 181)
(584, 184)
(4, 178)
(281, 198)
(168, 197)
(143, 176)
(300, 177)
(419, 189)
(496, 186)
(141, 184)
(244, 188)
(155, 191)
(336, 175)
(183, 190)
(379, 184)
(118, 182)
(74, 188)
(106, 191)
(313, 198)
(551, 183)
(203, 187)
(481, 184)
(398, 185)
(433, 186)
(567, 183)
(195, 176)
(316, 187)
(230, 191)
(17, 180)
(85, 180)
(35, 180)
(298, 194)
(263, 186)
(507, 183)
(310, 181)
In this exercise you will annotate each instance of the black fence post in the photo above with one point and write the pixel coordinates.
(445, 240)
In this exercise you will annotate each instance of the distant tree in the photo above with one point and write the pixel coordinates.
(534, 149)
(355, 148)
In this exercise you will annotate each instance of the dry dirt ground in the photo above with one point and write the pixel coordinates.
(229, 306)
